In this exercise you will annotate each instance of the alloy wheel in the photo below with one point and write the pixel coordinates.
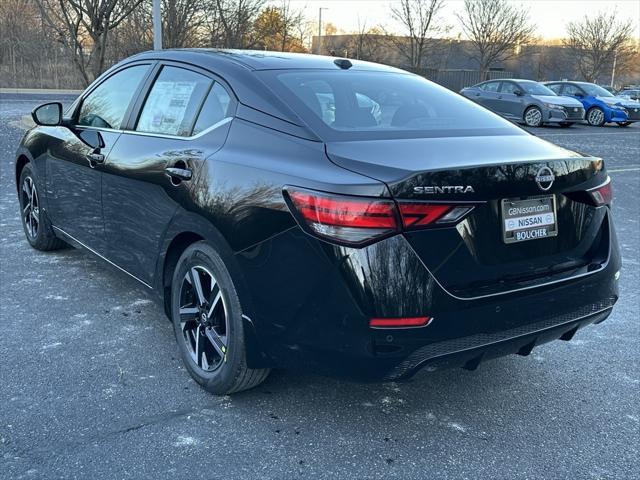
(203, 319)
(596, 117)
(533, 117)
(30, 207)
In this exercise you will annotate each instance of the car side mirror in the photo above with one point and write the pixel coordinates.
(92, 138)
(48, 115)
(519, 93)
(579, 95)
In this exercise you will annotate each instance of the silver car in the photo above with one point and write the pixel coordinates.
(526, 101)
(629, 94)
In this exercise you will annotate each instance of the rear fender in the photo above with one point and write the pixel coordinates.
(188, 222)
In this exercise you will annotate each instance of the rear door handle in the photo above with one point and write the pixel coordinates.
(180, 174)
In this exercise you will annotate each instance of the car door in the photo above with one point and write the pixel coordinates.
(181, 119)
(489, 97)
(75, 160)
(508, 103)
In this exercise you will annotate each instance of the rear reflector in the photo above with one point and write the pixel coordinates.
(602, 194)
(359, 221)
(400, 322)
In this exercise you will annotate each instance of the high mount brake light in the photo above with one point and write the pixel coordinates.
(359, 221)
(602, 194)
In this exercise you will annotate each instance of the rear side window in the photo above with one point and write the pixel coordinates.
(106, 106)
(354, 105)
(215, 108)
(173, 102)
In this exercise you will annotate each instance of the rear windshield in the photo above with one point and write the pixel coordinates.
(359, 105)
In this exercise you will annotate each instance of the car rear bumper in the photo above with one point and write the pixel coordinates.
(469, 352)
(311, 304)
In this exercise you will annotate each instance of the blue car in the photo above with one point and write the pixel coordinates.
(601, 106)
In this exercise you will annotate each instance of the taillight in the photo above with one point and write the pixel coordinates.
(416, 215)
(602, 194)
(359, 221)
(345, 220)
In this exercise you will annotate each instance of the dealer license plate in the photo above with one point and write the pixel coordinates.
(529, 219)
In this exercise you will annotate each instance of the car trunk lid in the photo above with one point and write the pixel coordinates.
(494, 174)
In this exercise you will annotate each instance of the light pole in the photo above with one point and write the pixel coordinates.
(613, 70)
(157, 26)
(320, 29)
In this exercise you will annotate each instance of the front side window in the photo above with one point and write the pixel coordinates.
(571, 90)
(354, 105)
(106, 106)
(173, 102)
(490, 87)
(508, 87)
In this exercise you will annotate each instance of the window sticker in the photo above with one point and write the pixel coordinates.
(166, 107)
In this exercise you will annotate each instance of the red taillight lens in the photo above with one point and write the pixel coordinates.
(421, 214)
(602, 194)
(406, 322)
(358, 221)
(348, 220)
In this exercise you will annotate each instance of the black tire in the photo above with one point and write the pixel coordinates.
(595, 117)
(565, 124)
(221, 332)
(35, 223)
(624, 124)
(533, 117)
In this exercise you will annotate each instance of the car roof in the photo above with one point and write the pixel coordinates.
(258, 59)
(238, 68)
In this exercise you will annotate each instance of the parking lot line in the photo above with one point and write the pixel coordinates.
(629, 169)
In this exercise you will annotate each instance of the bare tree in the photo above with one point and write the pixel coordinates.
(182, 21)
(496, 29)
(231, 22)
(594, 41)
(418, 18)
(368, 43)
(83, 27)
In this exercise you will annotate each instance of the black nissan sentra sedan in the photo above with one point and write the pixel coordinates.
(308, 212)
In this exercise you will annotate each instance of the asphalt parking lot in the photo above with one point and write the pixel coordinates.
(91, 385)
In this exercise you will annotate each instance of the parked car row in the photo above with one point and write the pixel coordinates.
(560, 102)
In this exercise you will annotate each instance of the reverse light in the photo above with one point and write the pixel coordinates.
(359, 221)
(405, 322)
(602, 194)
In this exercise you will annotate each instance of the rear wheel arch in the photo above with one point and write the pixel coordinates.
(178, 244)
(185, 229)
(21, 161)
